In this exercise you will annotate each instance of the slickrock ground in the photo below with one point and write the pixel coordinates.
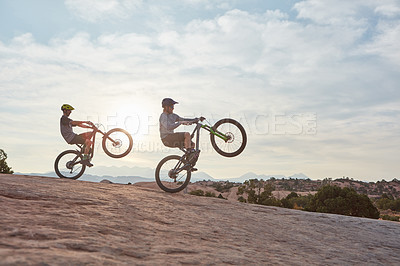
(49, 221)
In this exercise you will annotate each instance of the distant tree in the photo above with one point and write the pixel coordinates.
(346, 201)
(327, 181)
(252, 188)
(4, 168)
(241, 199)
(292, 195)
(396, 205)
(258, 192)
(288, 202)
(386, 196)
(294, 201)
(388, 203)
(286, 185)
(384, 203)
(223, 186)
(363, 190)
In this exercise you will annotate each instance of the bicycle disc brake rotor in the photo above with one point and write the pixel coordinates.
(230, 136)
(172, 174)
(117, 143)
(69, 165)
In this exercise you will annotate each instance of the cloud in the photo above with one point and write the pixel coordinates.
(101, 10)
(384, 43)
(251, 66)
(330, 12)
(389, 8)
(209, 4)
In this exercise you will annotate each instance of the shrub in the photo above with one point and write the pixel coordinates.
(296, 202)
(386, 203)
(258, 192)
(346, 201)
(220, 196)
(241, 199)
(197, 192)
(201, 193)
(390, 218)
(210, 194)
(223, 186)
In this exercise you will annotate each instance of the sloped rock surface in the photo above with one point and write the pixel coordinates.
(67, 222)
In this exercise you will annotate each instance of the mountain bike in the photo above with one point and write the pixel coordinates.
(227, 137)
(116, 143)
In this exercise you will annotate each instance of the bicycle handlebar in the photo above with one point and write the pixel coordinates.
(196, 121)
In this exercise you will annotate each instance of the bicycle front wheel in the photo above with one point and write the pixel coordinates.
(230, 138)
(171, 175)
(68, 165)
(117, 143)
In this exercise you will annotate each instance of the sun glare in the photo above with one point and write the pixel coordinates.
(135, 119)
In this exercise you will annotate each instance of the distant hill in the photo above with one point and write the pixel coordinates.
(125, 174)
(98, 178)
(251, 175)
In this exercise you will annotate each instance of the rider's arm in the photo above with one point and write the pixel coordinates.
(190, 120)
(83, 124)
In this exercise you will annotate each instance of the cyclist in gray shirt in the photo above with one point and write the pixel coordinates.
(70, 137)
(169, 121)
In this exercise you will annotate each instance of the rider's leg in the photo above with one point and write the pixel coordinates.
(188, 141)
(82, 139)
(86, 158)
(88, 144)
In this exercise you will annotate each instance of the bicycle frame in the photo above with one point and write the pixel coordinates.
(82, 146)
(91, 153)
(209, 129)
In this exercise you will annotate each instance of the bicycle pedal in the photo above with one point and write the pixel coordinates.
(193, 169)
(87, 163)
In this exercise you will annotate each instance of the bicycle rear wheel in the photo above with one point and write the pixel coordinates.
(117, 143)
(68, 165)
(170, 175)
(236, 137)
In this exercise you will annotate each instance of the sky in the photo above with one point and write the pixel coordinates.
(314, 83)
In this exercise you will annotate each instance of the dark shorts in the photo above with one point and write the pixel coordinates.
(81, 138)
(175, 140)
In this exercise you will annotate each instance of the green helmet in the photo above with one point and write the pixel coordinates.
(67, 107)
